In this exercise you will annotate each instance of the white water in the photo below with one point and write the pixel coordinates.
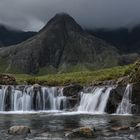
(15, 99)
(96, 101)
(29, 100)
(125, 105)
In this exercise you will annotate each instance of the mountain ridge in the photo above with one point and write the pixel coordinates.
(60, 46)
(124, 39)
(9, 36)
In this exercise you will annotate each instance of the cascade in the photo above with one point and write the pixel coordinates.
(125, 105)
(95, 101)
(29, 99)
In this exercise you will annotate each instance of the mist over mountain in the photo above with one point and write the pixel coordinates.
(10, 36)
(124, 39)
(32, 15)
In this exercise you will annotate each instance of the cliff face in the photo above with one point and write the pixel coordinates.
(61, 45)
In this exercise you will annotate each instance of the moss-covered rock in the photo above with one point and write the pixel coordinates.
(7, 79)
(135, 73)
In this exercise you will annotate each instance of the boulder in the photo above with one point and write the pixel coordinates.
(19, 130)
(72, 90)
(87, 132)
(115, 98)
(7, 79)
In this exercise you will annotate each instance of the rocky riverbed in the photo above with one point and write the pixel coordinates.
(61, 125)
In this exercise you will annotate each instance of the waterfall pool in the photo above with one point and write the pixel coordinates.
(53, 125)
(50, 114)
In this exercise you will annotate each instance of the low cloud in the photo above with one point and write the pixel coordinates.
(34, 14)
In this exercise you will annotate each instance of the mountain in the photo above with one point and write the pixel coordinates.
(11, 37)
(62, 45)
(124, 39)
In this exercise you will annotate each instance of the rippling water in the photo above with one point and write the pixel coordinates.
(53, 125)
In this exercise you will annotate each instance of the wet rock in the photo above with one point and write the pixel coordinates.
(137, 126)
(7, 79)
(7, 99)
(136, 93)
(86, 132)
(46, 135)
(135, 99)
(107, 133)
(19, 130)
(72, 102)
(72, 90)
(115, 97)
(37, 90)
(123, 80)
(119, 128)
(20, 87)
(36, 87)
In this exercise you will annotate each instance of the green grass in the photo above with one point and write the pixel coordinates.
(84, 78)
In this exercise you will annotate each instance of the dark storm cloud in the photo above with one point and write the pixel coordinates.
(33, 14)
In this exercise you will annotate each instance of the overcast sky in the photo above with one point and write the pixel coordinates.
(34, 14)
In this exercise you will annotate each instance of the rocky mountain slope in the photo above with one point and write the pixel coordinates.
(61, 45)
(11, 37)
(124, 39)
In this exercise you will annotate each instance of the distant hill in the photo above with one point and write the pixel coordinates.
(126, 40)
(11, 37)
(62, 45)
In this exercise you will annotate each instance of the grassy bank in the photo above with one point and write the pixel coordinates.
(87, 77)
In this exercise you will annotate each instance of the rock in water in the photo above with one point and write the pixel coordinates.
(19, 130)
(86, 132)
(115, 98)
(72, 92)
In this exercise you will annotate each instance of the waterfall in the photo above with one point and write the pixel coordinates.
(125, 105)
(95, 101)
(30, 98)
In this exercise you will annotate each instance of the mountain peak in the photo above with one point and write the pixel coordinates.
(62, 45)
(65, 20)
